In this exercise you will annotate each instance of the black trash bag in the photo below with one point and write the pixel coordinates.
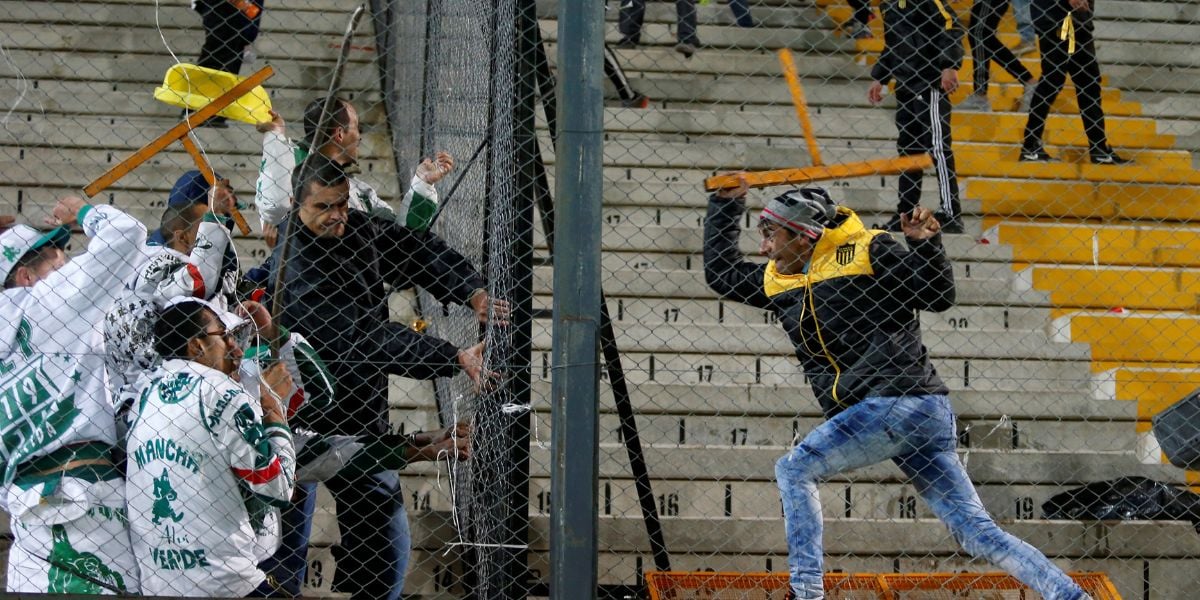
(1125, 499)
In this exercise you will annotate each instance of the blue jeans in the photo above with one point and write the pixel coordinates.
(289, 564)
(372, 558)
(917, 433)
(1024, 20)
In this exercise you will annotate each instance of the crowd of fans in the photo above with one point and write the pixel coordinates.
(169, 416)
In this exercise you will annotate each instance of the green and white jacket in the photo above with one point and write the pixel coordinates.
(273, 192)
(202, 473)
(56, 409)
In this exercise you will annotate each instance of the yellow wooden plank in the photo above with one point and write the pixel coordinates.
(882, 166)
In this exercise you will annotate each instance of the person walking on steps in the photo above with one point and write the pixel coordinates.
(986, 48)
(922, 53)
(1066, 39)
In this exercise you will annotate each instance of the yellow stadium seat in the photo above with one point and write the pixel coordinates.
(192, 87)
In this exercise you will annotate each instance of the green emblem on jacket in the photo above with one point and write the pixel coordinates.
(75, 572)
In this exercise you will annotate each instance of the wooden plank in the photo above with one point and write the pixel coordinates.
(177, 132)
(793, 80)
(879, 166)
(211, 177)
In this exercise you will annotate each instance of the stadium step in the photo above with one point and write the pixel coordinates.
(764, 340)
(1061, 130)
(958, 372)
(793, 398)
(1078, 200)
(1132, 336)
(687, 284)
(1104, 288)
(1104, 244)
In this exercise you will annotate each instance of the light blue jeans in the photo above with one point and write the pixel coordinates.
(1024, 20)
(917, 433)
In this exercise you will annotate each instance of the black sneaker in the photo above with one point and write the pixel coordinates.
(1039, 155)
(949, 224)
(627, 42)
(892, 224)
(1108, 157)
(687, 49)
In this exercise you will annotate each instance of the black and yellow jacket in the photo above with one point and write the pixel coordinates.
(921, 39)
(853, 316)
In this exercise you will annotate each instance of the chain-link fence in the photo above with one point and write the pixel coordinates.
(957, 291)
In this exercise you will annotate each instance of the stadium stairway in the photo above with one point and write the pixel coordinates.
(718, 395)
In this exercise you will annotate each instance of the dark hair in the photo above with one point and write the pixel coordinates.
(30, 260)
(316, 168)
(339, 117)
(179, 324)
(178, 218)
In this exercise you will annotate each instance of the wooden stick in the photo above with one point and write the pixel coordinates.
(879, 166)
(793, 79)
(177, 132)
(211, 177)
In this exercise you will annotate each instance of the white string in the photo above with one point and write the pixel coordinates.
(24, 87)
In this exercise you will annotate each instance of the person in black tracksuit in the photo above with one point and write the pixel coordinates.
(986, 47)
(922, 52)
(1066, 40)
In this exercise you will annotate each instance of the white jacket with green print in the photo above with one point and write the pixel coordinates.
(273, 192)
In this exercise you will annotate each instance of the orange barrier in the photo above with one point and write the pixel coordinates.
(680, 585)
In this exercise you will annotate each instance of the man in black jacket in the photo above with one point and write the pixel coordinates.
(849, 298)
(334, 292)
(1066, 39)
(922, 52)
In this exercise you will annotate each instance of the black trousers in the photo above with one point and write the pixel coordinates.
(227, 32)
(986, 47)
(615, 74)
(634, 11)
(1057, 62)
(923, 125)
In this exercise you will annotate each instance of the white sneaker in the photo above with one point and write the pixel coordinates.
(1025, 47)
(976, 103)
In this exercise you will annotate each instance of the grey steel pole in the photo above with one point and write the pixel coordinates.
(576, 366)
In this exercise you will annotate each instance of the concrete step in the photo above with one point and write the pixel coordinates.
(690, 240)
(168, 15)
(681, 368)
(966, 318)
(747, 500)
(861, 537)
(1071, 400)
(657, 261)
(719, 340)
(685, 284)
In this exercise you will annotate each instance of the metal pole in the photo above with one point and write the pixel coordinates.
(576, 368)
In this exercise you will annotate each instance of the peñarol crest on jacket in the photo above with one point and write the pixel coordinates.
(844, 254)
(842, 251)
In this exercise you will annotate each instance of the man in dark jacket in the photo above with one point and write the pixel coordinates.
(339, 264)
(1066, 40)
(922, 52)
(849, 298)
